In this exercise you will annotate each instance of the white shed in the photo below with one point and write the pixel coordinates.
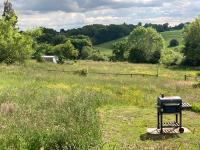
(53, 59)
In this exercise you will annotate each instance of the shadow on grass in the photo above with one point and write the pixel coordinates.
(157, 137)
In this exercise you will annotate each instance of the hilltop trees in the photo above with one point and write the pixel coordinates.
(145, 45)
(192, 43)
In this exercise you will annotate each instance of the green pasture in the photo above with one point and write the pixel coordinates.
(41, 109)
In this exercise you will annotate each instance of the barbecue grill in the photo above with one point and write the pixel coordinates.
(174, 106)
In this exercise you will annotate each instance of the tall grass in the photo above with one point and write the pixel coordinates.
(57, 110)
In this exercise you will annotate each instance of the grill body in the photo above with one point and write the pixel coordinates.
(167, 106)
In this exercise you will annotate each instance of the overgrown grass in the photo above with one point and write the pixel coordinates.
(63, 110)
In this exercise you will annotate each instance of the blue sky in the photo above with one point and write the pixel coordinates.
(68, 14)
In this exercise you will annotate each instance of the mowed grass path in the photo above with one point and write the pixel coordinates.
(51, 107)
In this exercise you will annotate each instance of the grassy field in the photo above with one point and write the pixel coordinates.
(106, 48)
(65, 110)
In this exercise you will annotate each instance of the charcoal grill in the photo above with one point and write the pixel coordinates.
(173, 106)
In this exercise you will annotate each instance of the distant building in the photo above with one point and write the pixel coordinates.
(53, 59)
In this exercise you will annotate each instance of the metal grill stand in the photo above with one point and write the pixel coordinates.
(166, 106)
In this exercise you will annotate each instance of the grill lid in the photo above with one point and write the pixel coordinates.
(168, 100)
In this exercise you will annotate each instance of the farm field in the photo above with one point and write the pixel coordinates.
(106, 48)
(67, 110)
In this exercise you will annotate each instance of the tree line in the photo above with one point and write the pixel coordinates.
(144, 43)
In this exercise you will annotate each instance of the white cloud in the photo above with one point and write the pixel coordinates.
(76, 13)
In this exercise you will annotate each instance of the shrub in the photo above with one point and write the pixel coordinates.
(82, 72)
(61, 60)
(65, 50)
(196, 107)
(96, 56)
(119, 50)
(86, 52)
(173, 43)
(145, 45)
(170, 57)
(38, 57)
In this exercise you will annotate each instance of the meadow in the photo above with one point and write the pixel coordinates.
(43, 109)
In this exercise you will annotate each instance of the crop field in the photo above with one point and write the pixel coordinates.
(43, 109)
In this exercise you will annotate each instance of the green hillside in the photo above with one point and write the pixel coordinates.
(169, 35)
(106, 48)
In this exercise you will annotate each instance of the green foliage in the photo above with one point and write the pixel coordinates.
(196, 107)
(86, 52)
(97, 56)
(61, 59)
(9, 13)
(82, 72)
(80, 41)
(14, 46)
(192, 44)
(38, 57)
(66, 50)
(171, 57)
(146, 45)
(173, 43)
(101, 33)
(119, 50)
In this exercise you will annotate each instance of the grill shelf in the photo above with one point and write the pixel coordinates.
(171, 124)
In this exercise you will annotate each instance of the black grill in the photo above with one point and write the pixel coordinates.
(170, 105)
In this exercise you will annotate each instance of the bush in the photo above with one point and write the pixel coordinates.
(173, 43)
(98, 57)
(145, 45)
(86, 52)
(170, 57)
(38, 57)
(65, 50)
(61, 60)
(14, 46)
(119, 50)
(196, 107)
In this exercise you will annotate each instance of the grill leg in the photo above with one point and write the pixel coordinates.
(158, 117)
(180, 119)
(161, 119)
(176, 118)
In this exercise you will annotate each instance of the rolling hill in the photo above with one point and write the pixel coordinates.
(106, 48)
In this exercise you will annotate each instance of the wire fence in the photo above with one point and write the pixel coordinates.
(186, 77)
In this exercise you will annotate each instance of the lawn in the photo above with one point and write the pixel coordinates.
(66, 110)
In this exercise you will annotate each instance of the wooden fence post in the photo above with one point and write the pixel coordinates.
(185, 77)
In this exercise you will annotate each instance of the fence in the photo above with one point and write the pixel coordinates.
(114, 74)
(186, 77)
(192, 77)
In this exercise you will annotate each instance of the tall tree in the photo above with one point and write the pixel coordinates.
(192, 43)
(146, 45)
(9, 13)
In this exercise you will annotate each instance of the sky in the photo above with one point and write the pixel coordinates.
(68, 14)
